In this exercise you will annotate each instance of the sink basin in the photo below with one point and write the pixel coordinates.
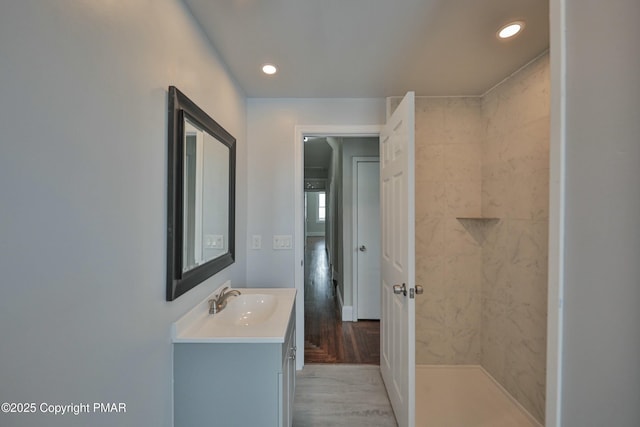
(248, 309)
(259, 315)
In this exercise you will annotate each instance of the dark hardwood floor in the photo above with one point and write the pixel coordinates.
(327, 338)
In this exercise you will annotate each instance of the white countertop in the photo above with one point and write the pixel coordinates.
(198, 326)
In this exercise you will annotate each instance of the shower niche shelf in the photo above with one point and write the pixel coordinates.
(477, 218)
(478, 227)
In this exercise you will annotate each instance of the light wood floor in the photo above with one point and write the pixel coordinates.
(327, 338)
(341, 395)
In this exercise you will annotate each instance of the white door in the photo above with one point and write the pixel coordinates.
(368, 239)
(397, 341)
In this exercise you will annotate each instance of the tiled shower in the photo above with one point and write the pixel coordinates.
(482, 180)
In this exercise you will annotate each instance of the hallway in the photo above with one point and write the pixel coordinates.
(327, 338)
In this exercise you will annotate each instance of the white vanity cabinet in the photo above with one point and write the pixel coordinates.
(243, 383)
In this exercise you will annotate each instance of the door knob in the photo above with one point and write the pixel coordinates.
(419, 290)
(362, 248)
(400, 289)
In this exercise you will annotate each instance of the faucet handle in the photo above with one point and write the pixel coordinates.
(221, 293)
(213, 306)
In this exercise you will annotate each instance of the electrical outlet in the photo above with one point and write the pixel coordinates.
(256, 241)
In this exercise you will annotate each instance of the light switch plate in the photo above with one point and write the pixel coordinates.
(282, 241)
(218, 241)
(213, 241)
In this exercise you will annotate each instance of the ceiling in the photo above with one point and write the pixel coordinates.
(371, 48)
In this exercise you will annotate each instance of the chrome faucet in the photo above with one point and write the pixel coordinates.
(219, 302)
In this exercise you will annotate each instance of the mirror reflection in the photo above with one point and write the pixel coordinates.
(206, 175)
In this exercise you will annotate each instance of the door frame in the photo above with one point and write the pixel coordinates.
(557, 212)
(354, 231)
(300, 131)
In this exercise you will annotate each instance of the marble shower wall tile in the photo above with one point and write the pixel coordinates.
(462, 162)
(521, 99)
(515, 188)
(515, 153)
(430, 274)
(485, 281)
(430, 240)
(463, 198)
(463, 273)
(525, 356)
(432, 200)
(494, 341)
(448, 259)
(433, 346)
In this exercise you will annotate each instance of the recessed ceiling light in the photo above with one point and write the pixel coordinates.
(269, 69)
(511, 29)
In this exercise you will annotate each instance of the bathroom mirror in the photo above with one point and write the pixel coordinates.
(201, 196)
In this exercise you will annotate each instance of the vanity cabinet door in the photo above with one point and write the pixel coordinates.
(227, 385)
(288, 379)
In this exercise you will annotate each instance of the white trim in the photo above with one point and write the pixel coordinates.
(346, 310)
(298, 202)
(557, 191)
(354, 232)
(347, 313)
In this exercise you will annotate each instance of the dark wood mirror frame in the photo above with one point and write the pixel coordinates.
(179, 282)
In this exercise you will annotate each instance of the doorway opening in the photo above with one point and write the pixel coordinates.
(334, 247)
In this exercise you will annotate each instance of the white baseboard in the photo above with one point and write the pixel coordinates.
(347, 310)
(340, 300)
(347, 313)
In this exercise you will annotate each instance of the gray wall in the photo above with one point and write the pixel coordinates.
(271, 164)
(600, 364)
(83, 153)
(334, 227)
